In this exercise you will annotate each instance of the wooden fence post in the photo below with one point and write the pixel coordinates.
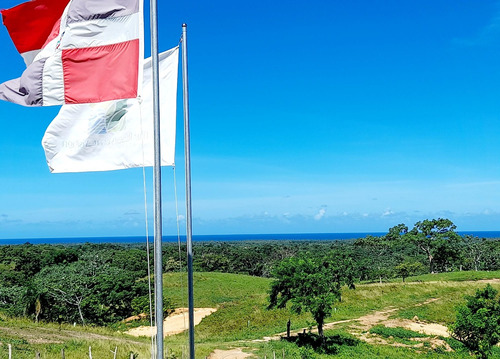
(114, 353)
(10, 351)
(90, 352)
(37, 355)
(62, 354)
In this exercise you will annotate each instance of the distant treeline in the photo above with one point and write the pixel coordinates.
(105, 283)
(430, 246)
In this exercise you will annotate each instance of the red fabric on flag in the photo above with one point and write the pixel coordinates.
(54, 33)
(101, 73)
(30, 23)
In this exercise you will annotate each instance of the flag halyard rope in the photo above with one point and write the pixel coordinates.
(147, 240)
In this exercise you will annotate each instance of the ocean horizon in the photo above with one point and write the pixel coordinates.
(223, 238)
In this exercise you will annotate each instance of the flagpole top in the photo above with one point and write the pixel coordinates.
(184, 25)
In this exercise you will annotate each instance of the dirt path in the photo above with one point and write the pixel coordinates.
(365, 322)
(175, 323)
(378, 284)
(360, 328)
(491, 281)
(236, 353)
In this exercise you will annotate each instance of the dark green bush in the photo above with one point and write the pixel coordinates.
(478, 322)
(323, 345)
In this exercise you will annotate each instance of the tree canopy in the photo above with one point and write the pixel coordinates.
(311, 284)
(437, 239)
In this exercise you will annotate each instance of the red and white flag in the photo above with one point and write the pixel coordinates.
(76, 51)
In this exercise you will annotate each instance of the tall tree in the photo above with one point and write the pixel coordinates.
(432, 237)
(474, 251)
(66, 285)
(311, 284)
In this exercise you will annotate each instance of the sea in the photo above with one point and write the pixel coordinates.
(224, 238)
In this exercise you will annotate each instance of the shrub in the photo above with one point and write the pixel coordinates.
(322, 344)
(307, 353)
(477, 323)
(141, 305)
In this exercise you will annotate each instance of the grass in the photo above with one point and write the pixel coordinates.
(447, 293)
(360, 351)
(27, 338)
(241, 301)
(242, 316)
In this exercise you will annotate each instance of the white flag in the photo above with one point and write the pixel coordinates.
(118, 134)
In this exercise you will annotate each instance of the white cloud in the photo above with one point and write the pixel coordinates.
(320, 214)
(387, 212)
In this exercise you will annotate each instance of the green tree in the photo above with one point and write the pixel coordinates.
(378, 253)
(141, 305)
(474, 251)
(12, 300)
(408, 268)
(433, 237)
(65, 285)
(396, 233)
(311, 284)
(477, 323)
(90, 290)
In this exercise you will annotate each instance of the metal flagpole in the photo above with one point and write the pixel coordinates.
(187, 153)
(158, 270)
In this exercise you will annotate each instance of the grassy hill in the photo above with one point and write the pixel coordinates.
(242, 317)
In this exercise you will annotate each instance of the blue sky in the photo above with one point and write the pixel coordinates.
(314, 116)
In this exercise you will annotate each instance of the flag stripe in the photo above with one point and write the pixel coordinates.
(97, 9)
(30, 23)
(53, 87)
(101, 32)
(84, 71)
(29, 56)
(54, 34)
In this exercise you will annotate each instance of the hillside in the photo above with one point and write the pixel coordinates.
(242, 320)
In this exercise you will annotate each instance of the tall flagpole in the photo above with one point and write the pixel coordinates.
(158, 270)
(187, 153)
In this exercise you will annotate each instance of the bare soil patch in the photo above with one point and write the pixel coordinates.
(490, 281)
(175, 323)
(236, 353)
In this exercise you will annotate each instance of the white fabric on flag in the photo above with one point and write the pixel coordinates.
(117, 134)
(78, 51)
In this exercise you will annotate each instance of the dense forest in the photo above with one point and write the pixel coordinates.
(105, 283)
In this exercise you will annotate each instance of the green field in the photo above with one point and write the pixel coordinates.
(242, 317)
